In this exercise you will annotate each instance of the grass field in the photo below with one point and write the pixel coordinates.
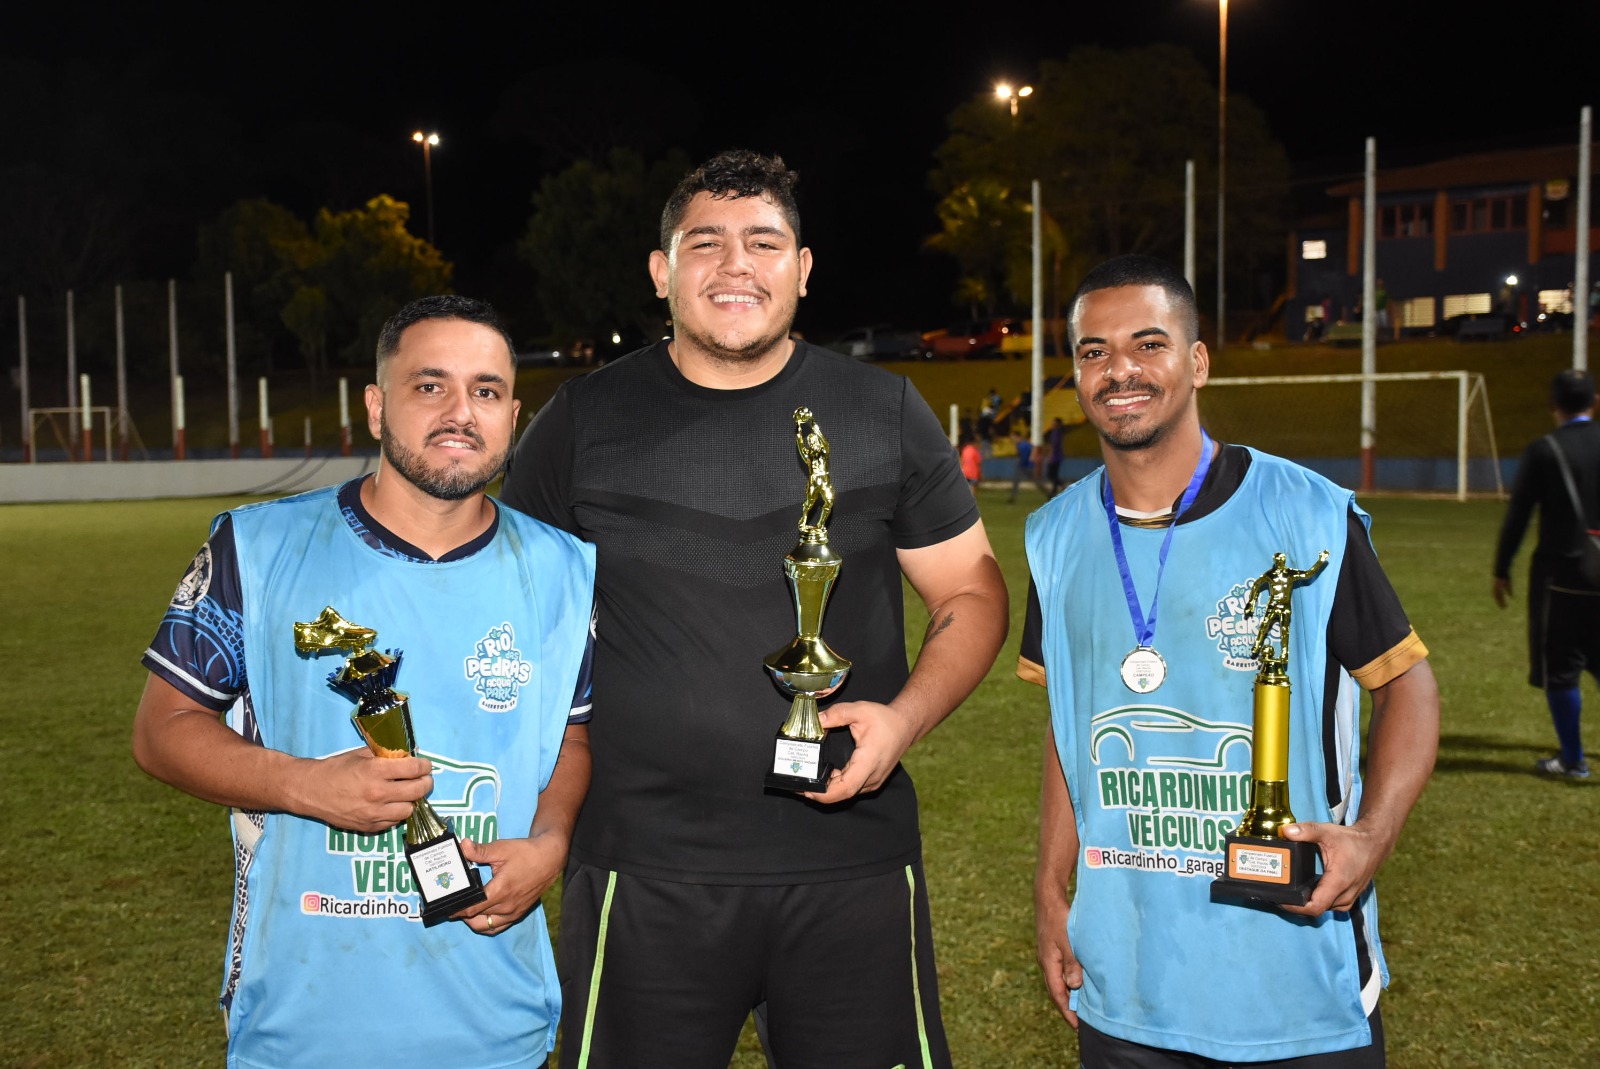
(114, 888)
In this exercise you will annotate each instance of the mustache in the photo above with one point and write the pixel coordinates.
(1135, 385)
(464, 432)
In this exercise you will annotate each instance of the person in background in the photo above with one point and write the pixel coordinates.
(1024, 464)
(971, 462)
(1563, 606)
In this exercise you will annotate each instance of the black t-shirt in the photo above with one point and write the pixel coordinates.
(692, 497)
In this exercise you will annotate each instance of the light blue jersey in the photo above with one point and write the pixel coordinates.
(330, 963)
(1158, 779)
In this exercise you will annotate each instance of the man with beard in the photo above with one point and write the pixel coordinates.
(1142, 776)
(694, 894)
(491, 612)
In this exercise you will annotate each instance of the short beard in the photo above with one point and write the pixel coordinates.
(1133, 440)
(451, 483)
(752, 351)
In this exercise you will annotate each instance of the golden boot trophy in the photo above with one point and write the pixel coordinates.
(447, 882)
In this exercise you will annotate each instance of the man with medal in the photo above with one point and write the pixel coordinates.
(1141, 626)
(333, 959)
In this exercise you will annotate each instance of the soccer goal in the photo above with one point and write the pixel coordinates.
(1432, 432)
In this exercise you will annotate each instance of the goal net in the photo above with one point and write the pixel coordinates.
(1432, 431)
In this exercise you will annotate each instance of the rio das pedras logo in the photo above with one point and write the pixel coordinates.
(497, 671)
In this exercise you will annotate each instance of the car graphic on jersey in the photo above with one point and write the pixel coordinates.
(1206, 741)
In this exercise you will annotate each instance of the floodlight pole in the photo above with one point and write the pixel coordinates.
(1222, 158)
(1580, 282)
(1036, 378)
(1369, 320)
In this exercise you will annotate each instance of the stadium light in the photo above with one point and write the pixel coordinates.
(427, 141)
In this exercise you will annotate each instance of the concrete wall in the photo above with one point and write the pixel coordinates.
(122, 481)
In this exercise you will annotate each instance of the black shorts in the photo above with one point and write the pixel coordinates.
(1563, 636)
(1100, 1051)
(662, 974)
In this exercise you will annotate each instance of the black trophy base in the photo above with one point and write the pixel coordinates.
(440, 867)
(1279, 871)
(797, 765)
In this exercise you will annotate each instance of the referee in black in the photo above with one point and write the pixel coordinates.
(1563, 607)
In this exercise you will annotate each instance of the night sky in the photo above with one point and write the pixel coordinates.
(311, 107)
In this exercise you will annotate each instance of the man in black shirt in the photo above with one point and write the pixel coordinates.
(1563, 607)
(693, 894)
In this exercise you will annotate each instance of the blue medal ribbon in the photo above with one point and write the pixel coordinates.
(1145, 629)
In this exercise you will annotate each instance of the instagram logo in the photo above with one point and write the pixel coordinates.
(310, 902)
(1092, 857)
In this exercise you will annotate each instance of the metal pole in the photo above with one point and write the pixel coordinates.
(22, 382)
(122, 382)
(427, 173)
(1369, 320)
(1188, 222)
(233, 369)
(344, 417)
(1036, 376)
(88, 423)
(266, 419)
(72, 378)
(172, 364)
(1580, 283)
(1222, 160)
(180, 449)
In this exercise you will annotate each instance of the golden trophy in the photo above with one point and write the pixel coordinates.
(447, 882)
(806, 669)
(1260, 863)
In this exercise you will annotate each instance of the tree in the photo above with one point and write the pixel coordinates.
(1107, 134)
(331, 285)
(587, 238)
(368, 265)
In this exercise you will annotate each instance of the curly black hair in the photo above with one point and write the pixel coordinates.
(734, 173)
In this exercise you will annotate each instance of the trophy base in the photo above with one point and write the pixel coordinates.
(1267, 870)
(797, 765)
(447, 881)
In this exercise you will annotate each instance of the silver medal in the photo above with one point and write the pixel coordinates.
(1143, 670)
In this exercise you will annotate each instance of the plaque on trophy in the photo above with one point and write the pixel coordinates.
(805, 668)
(447, 881)
(1261, 864)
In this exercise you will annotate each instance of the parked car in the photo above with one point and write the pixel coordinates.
(973, 339)
(879, 342)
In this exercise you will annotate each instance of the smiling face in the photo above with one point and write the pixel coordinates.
(733, 277)
(1137, 369)
(442, 410)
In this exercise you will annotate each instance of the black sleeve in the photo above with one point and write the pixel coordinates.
(936, 504)
(1032, 649)
(538, 477)
(1368, 621)
(199, 645)
(1524, 496)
